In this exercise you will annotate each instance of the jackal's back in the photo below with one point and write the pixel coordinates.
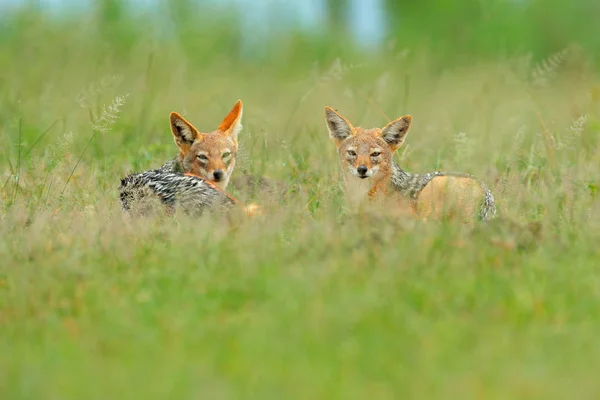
(140, 192)
(413, 185)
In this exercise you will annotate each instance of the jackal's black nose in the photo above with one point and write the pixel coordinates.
(218, 174)
(362, 169)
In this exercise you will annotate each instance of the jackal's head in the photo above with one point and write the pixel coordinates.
(209, 155)
(366, 153)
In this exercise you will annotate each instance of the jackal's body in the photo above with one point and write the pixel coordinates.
(195, 180)
(369, 172)
(412, 185)
(139, 193)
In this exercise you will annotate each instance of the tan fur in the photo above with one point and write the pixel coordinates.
(391, 204)
(203, 153)
(450, 196)
(364, 142)
(444, 196)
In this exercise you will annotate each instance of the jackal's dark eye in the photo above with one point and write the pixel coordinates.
(226, 154)
(375, 154)
(202, 157)
(351, 153)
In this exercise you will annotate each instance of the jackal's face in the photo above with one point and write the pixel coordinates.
(209, 155)
(366, 153)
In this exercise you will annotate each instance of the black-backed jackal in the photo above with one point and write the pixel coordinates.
(370, 172)
(196, 179)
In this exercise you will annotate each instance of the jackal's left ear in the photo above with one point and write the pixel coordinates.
(232, 124)
(339, 127)
(395, 132)
(184, 133)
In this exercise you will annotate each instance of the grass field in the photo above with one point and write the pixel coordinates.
(309, 301)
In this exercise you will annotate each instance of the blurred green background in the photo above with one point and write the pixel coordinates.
(455, 31)
(313, 300)
(287, 50)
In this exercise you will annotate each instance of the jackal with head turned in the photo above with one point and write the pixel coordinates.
(196, 179)
(370, 172)
(209, 155)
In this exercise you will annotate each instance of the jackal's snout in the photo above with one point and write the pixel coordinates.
(362, 171)
(218, 175)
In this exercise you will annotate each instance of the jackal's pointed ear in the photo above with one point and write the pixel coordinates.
(339, 127)
(232, 124)
(184, 133)
(395, 132)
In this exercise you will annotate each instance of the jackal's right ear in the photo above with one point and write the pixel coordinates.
(184, 133)
(339, 127)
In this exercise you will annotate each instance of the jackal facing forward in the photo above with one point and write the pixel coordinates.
(370, 172)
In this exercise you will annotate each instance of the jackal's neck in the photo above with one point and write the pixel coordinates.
(408, 184)
(172, 166)
(356, 190)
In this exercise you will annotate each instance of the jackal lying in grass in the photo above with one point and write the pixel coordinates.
(139, 194)
(370, 172)
(211, 155)
(196, 179)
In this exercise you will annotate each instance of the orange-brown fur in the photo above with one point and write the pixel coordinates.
(443, 196)
(209, 155)
(366, 143)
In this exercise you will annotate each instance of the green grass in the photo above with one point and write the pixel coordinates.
(310, 301)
